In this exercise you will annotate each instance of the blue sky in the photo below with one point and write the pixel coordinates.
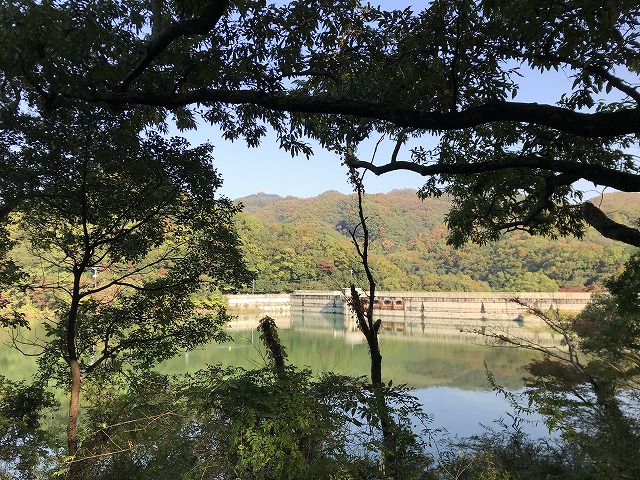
(267, 169)
(270, 170)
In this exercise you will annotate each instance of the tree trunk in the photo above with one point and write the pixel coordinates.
(74, 408)
(386, 422)
(74, 371)
(376, 359)
(370, 331)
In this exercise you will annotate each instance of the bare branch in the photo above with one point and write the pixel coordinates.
(146, 421)
(401, 138)
(569, 356)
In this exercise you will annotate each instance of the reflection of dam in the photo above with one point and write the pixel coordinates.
(413, 306)
(439, 355)
(412, 329)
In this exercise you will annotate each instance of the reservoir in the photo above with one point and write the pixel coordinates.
(444, 366)
(443, 362)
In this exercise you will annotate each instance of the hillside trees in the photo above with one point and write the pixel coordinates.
(409, 249)
(288, 257)
(127, 227)
(337, 73)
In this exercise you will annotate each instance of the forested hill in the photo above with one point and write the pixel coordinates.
(293, 243)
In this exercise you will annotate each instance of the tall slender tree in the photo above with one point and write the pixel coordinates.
(127, 227)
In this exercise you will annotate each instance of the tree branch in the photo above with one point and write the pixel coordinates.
(594, 125)
(615, 81)
(608, 228)
(400, 139)
(598, 174)
(597, 70)
(544, 203)
(365, 319)
(194, 26)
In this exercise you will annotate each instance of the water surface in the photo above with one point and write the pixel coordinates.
(445, 366)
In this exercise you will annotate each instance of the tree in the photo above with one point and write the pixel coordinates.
(139, 212)
(340, 72)
(391, 456)
(587, 388)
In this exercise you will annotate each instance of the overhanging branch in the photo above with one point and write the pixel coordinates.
(608, 228)
(194, 26)
(598, 174)
(594, 125)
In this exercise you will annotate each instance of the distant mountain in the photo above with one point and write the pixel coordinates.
(255, 202)
(398, 216)
(305, 243)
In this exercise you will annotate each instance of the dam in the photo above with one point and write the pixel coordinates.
(416, 305)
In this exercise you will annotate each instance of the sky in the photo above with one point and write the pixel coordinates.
(267, 169)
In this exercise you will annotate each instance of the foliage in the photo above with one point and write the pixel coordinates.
(279, 426)
(77, 75)
(135, 428)
(269, 336)
(232, 423)
(10, 275)
(507, 455)
(588, 388)
(339, 72)
(139, 212)
(24, 443)
(289, 241)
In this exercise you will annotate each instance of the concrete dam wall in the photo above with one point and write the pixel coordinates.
(441, 305)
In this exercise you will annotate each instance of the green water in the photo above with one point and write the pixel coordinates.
(445, 367)
(13, 364)
(415, 356)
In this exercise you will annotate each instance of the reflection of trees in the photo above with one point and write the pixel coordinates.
(444, 357)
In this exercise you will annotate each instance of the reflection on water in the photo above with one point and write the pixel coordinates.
(419, 355)
(464, 413)
(445, 365)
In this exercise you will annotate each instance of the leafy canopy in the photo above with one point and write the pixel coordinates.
(126, 227)
(340, 72)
